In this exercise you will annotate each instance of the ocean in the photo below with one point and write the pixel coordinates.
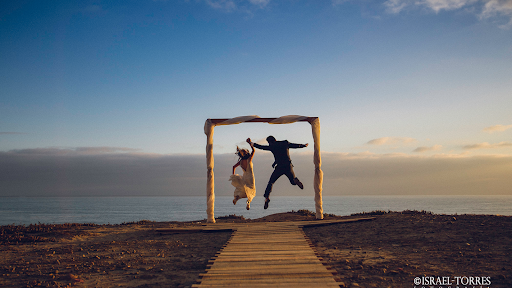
(116, 210)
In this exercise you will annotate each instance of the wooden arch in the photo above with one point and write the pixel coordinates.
(208, 130)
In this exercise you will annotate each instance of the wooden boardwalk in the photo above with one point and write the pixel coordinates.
(268, 254)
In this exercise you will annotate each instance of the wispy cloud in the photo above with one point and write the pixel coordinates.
(484, 9)
(231, 5)
(427, 149)
(55, 151)
(260, 3)
(497, 128)
(104, 150)
(225, 5)
(338, 2)
(486, 145)
(498, 8)
(391, 141)
(438, 5)
(396, 6)
(499, 11)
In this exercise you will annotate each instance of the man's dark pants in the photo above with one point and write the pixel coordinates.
(280, 170)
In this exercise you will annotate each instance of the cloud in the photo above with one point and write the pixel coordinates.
(99, 172)
(92, 10)
(396, 6)
(499, 11)
(74, 151)
(104, 150)
(497, 128)
(438, 5)
(486, 145)
(225, 5)
(83, 172)
(338, 2)
(484, 9)
(426, 149)
(391, 141)
(231, 5)
(260, 3)
(348, 174)
(498, 8)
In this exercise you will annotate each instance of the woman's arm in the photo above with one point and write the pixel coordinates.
(234, 167)
(252, 147)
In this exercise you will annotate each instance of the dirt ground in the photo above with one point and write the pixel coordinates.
(390, 251)
(131, 255)
(395, 248)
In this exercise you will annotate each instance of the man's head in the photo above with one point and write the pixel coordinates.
(271, 139)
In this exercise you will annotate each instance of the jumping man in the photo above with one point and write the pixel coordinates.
(282, 164)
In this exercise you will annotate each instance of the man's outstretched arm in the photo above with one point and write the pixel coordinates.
(262, 147)
(293, 145)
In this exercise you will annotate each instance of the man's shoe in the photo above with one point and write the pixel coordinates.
(266, 203)
(298, 183)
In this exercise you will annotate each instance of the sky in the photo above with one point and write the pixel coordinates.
(109, 98)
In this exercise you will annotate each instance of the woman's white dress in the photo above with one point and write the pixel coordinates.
(244, 185)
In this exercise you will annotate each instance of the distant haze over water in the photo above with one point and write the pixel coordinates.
(115, 210)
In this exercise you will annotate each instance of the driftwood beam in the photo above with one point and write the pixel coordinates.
(217, 121)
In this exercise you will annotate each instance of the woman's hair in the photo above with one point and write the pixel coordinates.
(242, 153)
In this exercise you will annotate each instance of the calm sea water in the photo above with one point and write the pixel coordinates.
(115, 210)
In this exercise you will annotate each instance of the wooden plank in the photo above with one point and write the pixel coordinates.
(264, 251)
(260, 254)
(251, 264)
(265, 283)
(257, 252)
(266, 257)
(289, 259)
(249, 284)
(269, 245)
(268, 242)
(269, 271)
(256, 275)
(269, 280)
(269, 248)
(261, 285)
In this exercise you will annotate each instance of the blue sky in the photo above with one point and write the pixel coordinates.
(416, 80)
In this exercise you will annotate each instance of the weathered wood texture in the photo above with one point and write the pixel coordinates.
(260, 120)
(269, 254)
